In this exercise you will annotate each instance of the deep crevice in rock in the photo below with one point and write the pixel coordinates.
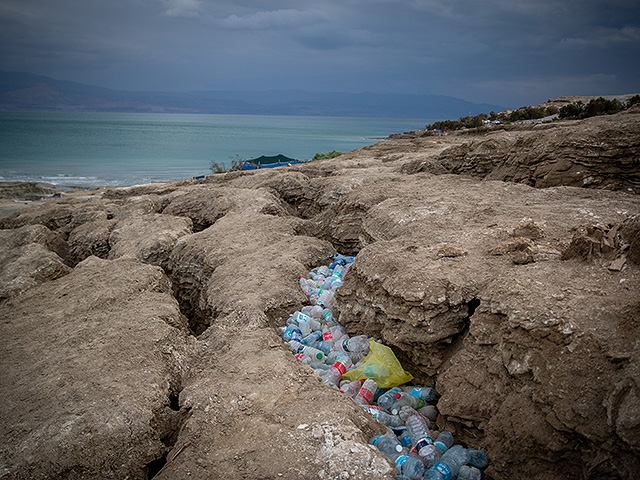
(154, 467)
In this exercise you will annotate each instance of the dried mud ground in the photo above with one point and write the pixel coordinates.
(502, 266)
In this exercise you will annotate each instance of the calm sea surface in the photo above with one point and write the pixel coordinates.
(131, 148)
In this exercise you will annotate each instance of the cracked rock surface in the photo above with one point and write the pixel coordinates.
(138, 322)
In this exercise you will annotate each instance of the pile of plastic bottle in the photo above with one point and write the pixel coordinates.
(317, 339)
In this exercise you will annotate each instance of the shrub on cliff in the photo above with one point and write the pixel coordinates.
(596, 106)
(325, 156)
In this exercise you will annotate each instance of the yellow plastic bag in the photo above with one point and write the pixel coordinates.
(382, 366)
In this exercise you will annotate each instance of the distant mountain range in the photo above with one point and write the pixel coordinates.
(20, 91)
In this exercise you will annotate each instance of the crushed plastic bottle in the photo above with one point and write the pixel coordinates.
(298, 347)
(406, 399)
(412, 467)
(359, 343)
(387, 445)
(334, 374)
(418, 428)
(365, 395)
(387, 400)
(384, 417)
(427, 394)
(449, 465)
(468, 472)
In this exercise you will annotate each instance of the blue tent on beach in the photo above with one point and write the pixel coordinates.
(268, 162)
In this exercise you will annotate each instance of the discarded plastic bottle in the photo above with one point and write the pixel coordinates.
(327, 315)
(359, 343)
(312, 338)
(304, 285)
(449, 465)
(430, 412)
(444, 441)
(384, 417)
(313, 353)
(387, 400)
(305, 323)
(433, 453)
(405, 438)
(406, 399)
(366, 392)
(427, 394)
(468, 472)
(387, 445)
(337, 257)
(302, 358)
(296, 335)
(477, 458)
(412, 467)
(337, 333)
(325, 347)
(286, 334)
(351, 388)
(334, 374)
(418, 430)
(325, 298)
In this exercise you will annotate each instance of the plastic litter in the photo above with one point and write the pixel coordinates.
(369, 373)
(382, 366)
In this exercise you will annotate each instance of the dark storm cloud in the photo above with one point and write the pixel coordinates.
(500, 51)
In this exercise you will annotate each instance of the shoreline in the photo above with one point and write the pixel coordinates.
(16, 196)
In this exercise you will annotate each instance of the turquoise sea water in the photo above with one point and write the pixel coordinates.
(130, 148)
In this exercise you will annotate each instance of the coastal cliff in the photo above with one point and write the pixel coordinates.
(502, 265)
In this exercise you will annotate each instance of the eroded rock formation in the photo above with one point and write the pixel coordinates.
(138, 334)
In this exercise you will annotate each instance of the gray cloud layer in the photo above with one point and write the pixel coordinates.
(499, 51)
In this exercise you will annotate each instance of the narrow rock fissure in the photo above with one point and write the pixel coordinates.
(154, 467)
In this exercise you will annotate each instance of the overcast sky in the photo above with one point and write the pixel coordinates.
(506, 52)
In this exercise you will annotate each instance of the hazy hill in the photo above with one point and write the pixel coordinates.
(21, 91)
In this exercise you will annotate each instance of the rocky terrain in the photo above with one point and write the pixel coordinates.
(501, 265)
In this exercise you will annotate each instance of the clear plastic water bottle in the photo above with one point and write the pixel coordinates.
(412, 467)
(359, 343)
(433, 453)
(338, 368)
(286, 334)
(468, 472)
(406, 399)
(430, 412)
(316, 312)
(351, 388)
(327, 315)
(366, 392)
(306, 324)
(418, 428)
(302, 358)
(405, 438)
(477, 458)
(337, 332)
(384, 417)
(296, 335)
(449, 465)
(325, 298)
(387, 445)
(444, 441)
(313, 353)
(312, 338)
(427, 394)
(387, 400)
(304, 285)
(325, 347)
